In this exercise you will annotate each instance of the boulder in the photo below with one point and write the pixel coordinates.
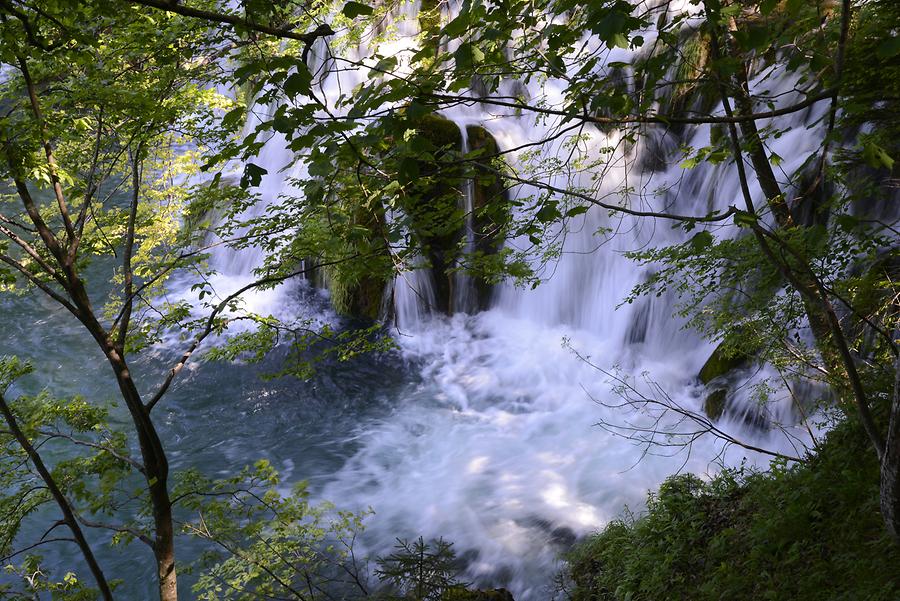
(721, 361)
(435, 203)
(714, 405)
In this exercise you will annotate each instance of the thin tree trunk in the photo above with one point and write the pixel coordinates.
(890, 465)
(63, 503)
(824, 323)
(152, 451)
(157, 469)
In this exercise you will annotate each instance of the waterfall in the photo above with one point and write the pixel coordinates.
(493, 446)
(234, 268)
(463, 285)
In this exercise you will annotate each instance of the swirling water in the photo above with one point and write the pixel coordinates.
(481, 428)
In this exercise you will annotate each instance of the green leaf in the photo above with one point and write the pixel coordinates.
(575, 211)
(252, 175)
(876, 156)
(547, 213)
(767, 6)
(618, 40)
(701, 241)
(298, 82)
(352, 10)
(233, 117)
(467, 56)
(745, 219)
(385, 65)
(889, 48)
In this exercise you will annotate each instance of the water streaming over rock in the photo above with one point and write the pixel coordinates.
(495, 446)
(463, 285)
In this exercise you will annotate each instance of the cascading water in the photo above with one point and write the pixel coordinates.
(464, 286)
(494, 447)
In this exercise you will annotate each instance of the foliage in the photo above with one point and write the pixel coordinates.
(265, 542)
(91, 479)
(113, 112)
(310, 344)
(420, 571)
(808, 531)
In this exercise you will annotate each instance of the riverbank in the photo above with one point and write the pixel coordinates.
(811, 531)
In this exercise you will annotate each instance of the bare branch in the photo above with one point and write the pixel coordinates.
(48, 151)
(86, 443)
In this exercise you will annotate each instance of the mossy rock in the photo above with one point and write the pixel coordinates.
(357, 288)
(721, 362)
(714, 405)
(429, 16)
(490, 204)
(356, 298)
(439, 130)
(434, 204)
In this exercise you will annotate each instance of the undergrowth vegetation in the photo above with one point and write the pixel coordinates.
(809, 531)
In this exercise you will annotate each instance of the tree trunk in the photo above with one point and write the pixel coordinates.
(157, 473)
(164, 549)
(823, 321)
(153, 454)
(890, 466)
(68, 515)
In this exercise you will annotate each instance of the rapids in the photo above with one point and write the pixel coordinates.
(489, 439)
(482, 428)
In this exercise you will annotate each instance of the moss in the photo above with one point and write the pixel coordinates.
(490, 204)
(692, 92)
(429, 16)
(714, 405)
(464, 594)
(357, 287)
(433, 201)
(439, 130)
(354, 296)
(720, 362)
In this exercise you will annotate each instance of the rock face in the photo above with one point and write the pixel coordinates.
(720, 363)
(716, 371)
(437, 214)
(714, 405)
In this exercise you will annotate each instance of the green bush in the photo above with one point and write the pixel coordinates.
(809, 531)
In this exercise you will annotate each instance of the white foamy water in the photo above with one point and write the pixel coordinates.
(496, 448)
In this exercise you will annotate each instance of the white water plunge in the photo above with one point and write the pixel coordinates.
(496, 448)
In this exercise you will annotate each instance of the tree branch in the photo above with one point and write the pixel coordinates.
(214, 17)
(211, 321)
(61, 501)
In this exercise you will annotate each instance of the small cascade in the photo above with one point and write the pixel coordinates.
(493, 444)
(234, 268)
(414, 299)
(464, 294)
